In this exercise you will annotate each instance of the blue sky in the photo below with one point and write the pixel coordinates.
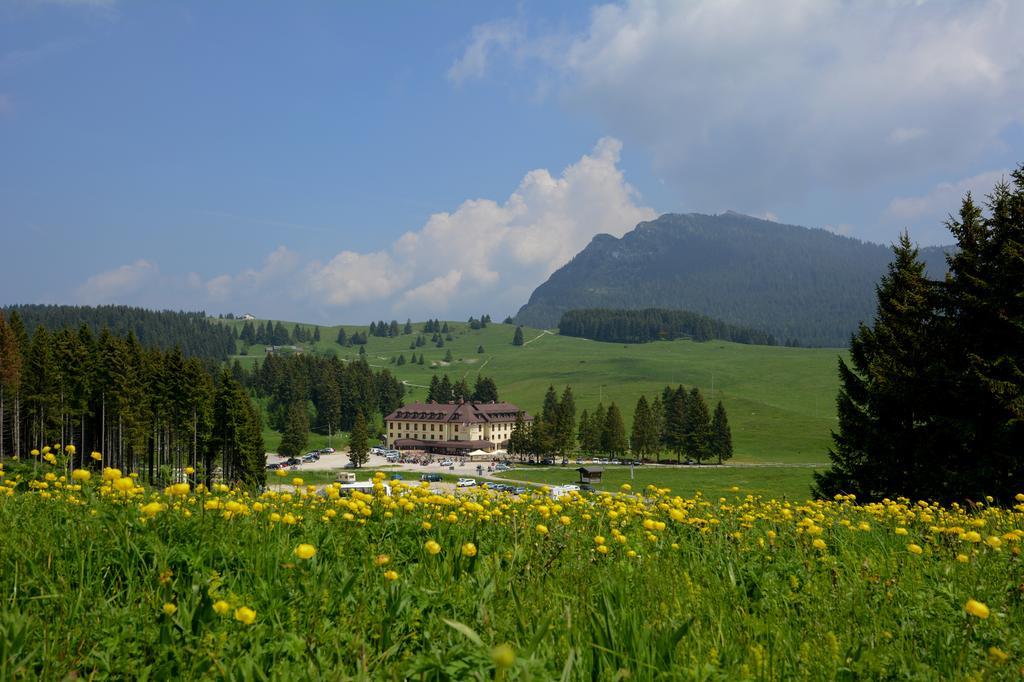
(352, 161)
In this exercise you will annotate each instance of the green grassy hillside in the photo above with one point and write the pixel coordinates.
(781, 401)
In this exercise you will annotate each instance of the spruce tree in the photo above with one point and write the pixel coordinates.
(565, 423)
(698, 433)
(342, 338)
(614, 434)
(480, 349)
(657, 415)
(643, 438)
(583, 431)
(886, 443)
(358, 442)
(677, 425)
(296, 431)
(596, 431)
(721, 435)
(517, 338)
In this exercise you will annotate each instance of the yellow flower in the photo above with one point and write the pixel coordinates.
(976, 609)
(631, 554)
(391, 575)
(997, 655)
(503, 656)
(382, 560)
(564, 520)
(34, 453)
(432, 547)
(124, 485)
(305, 551)
(901, 531)
(152, 509)
(70, 449)
(221, 607)
(1019, 497)
(426, 525)
(469, 550)
(96, 456)
(914, 549)
(81, 474)
(298, 482)
(734, 489)
(598, 539)
(189, 471)
(281, 472)
(603, 549)
(542, 529)
(962, 558)
(244, 614)
(170, 609)
(819, 544)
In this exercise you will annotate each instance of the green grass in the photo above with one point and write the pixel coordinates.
(323, 476)
(780, 401)
(112, 582)
(779, 482)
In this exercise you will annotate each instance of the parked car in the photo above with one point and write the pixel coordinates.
(465, 483)
(587, 488)
(431, 478)
(446, 463)
(548, 461)
(501, 466)
(350, 465)
(292, 461)
(327, 451)
(520, 490)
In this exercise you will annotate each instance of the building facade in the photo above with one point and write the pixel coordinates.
(452, 428)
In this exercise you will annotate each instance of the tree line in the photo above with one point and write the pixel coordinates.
(931, 405)
(443, 390)
(192, 332)
(276, 334)
(146, 410)
(306, 393)
(654, 324)
(678, 421)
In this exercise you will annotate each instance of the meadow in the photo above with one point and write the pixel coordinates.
(105, 578)
(781, 401)
(780, 482)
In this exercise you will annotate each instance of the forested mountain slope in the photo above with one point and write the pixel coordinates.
(796, 283)
(193, 332)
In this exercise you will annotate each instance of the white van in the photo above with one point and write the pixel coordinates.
(345, 477)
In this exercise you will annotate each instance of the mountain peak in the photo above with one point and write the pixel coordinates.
(795, 282)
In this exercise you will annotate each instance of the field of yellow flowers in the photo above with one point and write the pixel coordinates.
(104, 577)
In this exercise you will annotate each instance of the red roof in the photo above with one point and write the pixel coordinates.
(462, 413)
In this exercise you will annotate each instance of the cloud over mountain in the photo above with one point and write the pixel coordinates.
(484, 256)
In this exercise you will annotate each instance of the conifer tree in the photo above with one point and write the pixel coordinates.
(643, 436)
(614, 435)
(595, 434)
(342, 338)
(698, 432)
(657, 416)
(583, 431)
(517, 338)
(677, 425)
(721, 435)
(358, 442)
(296, 431)
(886, 441)
(565, 423)
(408, 327)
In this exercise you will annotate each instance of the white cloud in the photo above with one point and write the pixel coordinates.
(118, 284)
(486, 39)
(352, 277)
(742, 102)
(483, 257)
(928, 212)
